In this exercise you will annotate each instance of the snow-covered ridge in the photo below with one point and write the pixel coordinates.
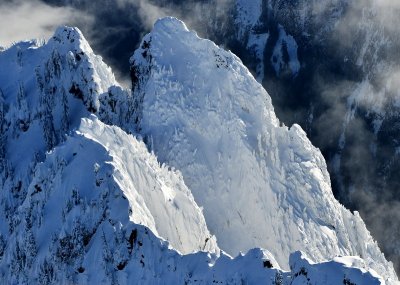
(158, 198)
(78, 228)
(85, 202)
(260, 184)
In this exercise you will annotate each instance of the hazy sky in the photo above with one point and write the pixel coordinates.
(24, 20)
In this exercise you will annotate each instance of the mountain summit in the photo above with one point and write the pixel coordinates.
(260, 183)
(84, 201)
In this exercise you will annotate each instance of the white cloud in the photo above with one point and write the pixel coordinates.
(149, 13)
(21, 20)
(196, 14)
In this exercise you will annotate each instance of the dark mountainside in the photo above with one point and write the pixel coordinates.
(343, 95)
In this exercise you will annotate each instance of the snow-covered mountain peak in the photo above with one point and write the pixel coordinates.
(66, 58)
(174, 54)
(46, 90)
(170, 25)
(70, 37)
(83, 201)
(71, 41)
(68, 172)
(260, 184)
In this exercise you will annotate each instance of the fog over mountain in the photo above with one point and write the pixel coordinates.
(332, 66)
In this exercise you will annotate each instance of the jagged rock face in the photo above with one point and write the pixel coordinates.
(85, 202)
(260, 183)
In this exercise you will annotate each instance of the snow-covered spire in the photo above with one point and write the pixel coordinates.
(70, 37)
(260, 184)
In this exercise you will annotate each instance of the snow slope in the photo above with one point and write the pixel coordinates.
(158, 197)
(260, 183)
(80, 226)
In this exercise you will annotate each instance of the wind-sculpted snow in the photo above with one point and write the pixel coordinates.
(83, 201)
(81, 225)
(158, 197)
(260, 183)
